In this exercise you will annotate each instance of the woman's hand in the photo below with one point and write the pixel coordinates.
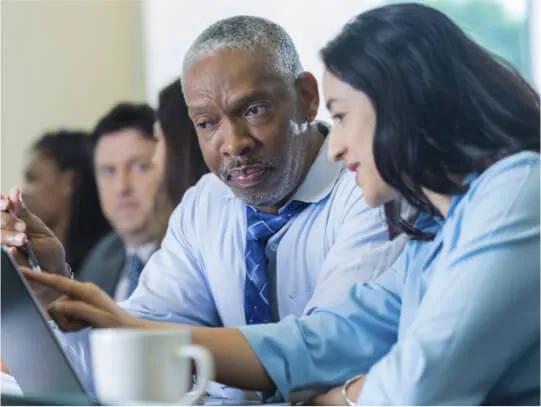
(19, 226)
(82, 304)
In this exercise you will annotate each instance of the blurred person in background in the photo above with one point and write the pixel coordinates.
(178, 157)
(127, 183)
(61, 190)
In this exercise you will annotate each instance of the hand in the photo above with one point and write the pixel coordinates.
(334, 396)
(82, 304)
(4, 368)
(19, 225)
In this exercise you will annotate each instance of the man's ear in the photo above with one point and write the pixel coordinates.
(308, 97)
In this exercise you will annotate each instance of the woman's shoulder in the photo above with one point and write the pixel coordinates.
(502, 199)
(521, 165)
(506, 180)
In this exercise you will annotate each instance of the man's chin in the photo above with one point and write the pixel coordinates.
(131, 229)
(258, 198)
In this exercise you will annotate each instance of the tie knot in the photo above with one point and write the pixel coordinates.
(262, 225)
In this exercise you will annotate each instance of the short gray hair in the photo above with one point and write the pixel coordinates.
(251, 34)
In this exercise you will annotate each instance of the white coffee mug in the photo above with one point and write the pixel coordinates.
(132, 365)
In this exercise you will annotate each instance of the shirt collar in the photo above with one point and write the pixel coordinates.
(320, 179)
(144, 251)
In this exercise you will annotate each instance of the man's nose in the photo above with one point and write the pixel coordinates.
(123, 182)
(236, 139)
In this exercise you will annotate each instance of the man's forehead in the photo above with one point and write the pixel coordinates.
(231, 74)
(232, 69)
(122, 145)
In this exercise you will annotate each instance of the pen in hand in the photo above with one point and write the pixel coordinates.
(26, 249)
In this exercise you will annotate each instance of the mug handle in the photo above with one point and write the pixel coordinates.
(204, 371)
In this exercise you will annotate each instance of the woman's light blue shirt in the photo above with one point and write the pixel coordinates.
(454, 321)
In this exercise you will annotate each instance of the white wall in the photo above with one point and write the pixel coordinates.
(64, 63)
(170, 26)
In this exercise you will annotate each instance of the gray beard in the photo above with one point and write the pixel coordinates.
(290, 173)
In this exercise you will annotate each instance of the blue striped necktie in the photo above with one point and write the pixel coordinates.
(260, 227)
(135, 266)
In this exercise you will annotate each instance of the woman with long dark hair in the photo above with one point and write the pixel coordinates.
(422, 113)
(177, 155)
(60, 189)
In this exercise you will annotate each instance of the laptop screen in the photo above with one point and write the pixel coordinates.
(29, 346)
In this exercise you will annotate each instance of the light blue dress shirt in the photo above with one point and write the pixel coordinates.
(198, 275)
(454, 321)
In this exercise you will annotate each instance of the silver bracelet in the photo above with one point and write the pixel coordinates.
(345, 387)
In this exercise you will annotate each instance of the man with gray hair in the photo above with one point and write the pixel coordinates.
(277, 229)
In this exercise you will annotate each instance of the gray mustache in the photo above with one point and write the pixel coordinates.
(235, 164)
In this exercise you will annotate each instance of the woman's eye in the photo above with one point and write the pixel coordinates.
(202, 125)
(338, 117)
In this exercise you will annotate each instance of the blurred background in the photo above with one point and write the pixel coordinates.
(64, 63)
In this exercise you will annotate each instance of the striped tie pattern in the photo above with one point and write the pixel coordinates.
(135, 266)
(260, 227)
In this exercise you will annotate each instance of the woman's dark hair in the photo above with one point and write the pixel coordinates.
(445, 107)
(184, 163)
(71, 150)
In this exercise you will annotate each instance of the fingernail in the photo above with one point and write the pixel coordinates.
(19, 238)
(20, 226)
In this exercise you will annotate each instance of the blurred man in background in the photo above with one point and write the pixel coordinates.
(127, 183)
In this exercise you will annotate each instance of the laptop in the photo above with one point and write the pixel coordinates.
(34, 355)
(29, 346)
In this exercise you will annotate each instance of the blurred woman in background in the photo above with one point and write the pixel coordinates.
(61, 190)
(178, 156)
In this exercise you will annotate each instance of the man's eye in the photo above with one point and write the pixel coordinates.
(141, 166)
(106, 171)
(256, 110)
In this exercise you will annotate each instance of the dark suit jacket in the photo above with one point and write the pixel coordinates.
(104, 264)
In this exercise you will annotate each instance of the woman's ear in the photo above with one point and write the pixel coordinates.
(308, 96)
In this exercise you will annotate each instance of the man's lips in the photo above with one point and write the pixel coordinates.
(247, 176)
(127, 205)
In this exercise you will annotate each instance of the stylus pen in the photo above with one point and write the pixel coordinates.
(29, 253)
